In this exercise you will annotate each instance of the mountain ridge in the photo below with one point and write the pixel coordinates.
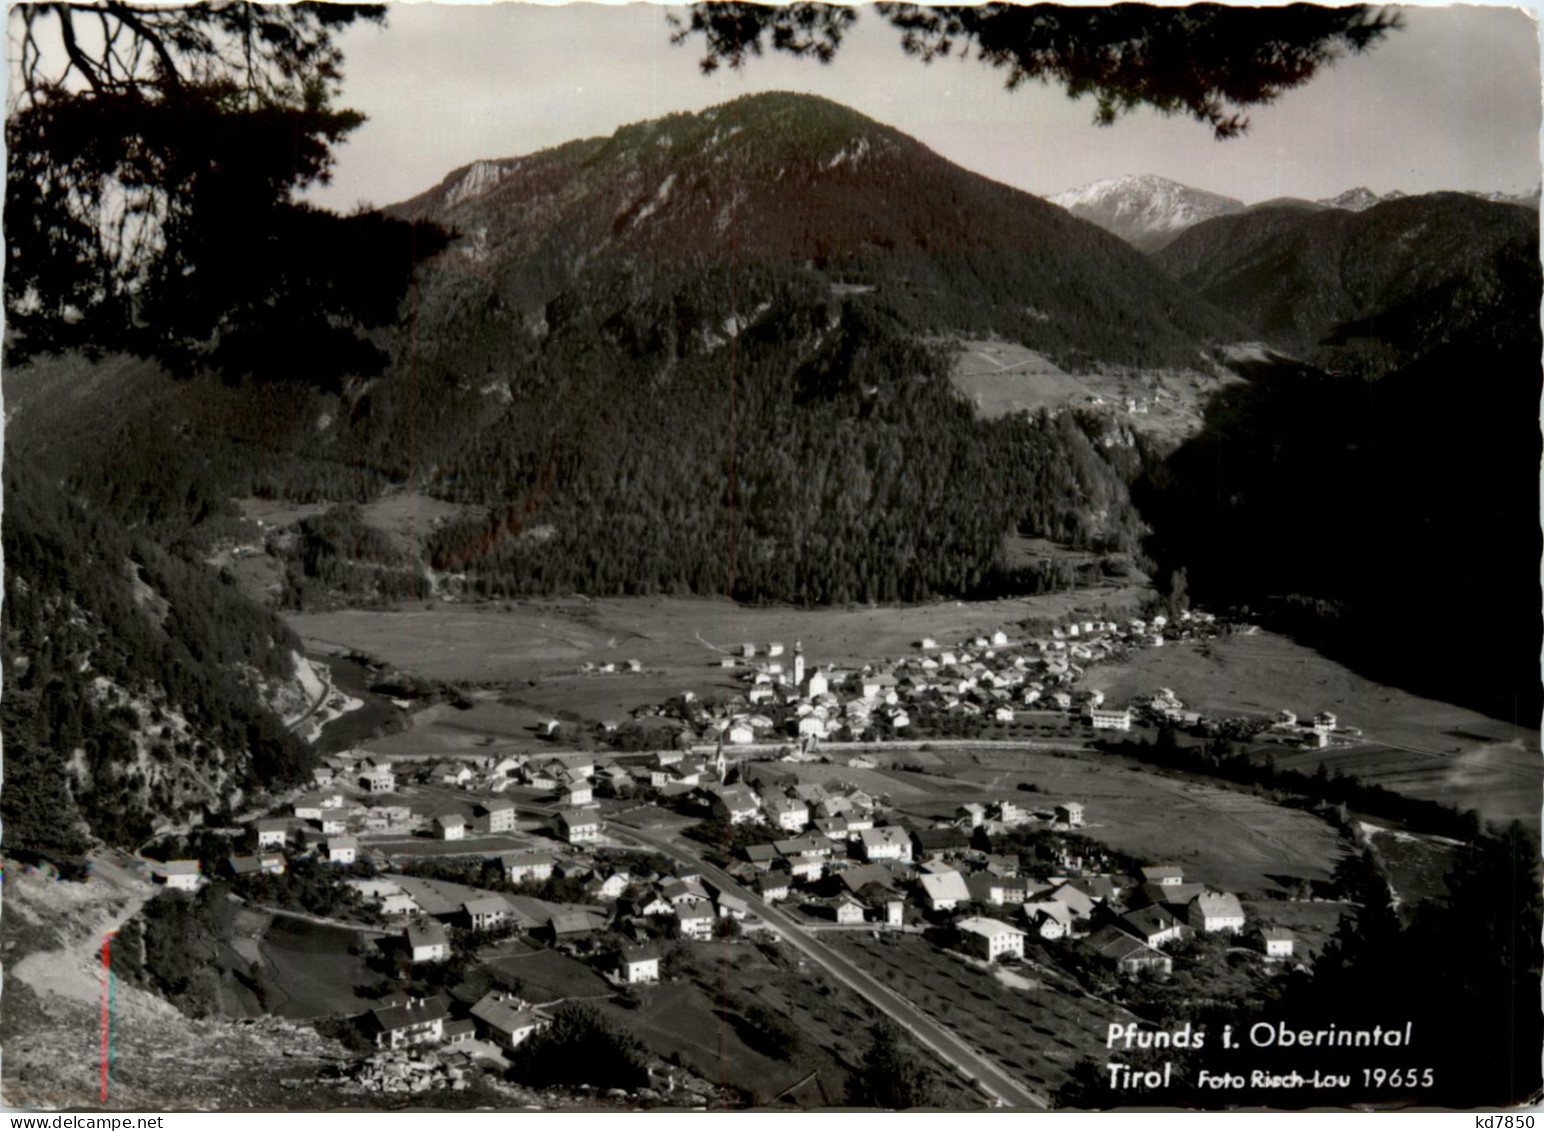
(793, 181)
(1150, 212)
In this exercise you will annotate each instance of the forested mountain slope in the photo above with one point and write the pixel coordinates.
(138, 685)
(1373, 290)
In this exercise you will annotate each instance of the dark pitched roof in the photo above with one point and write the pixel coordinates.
(401, 1016)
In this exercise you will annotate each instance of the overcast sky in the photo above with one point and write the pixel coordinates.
(1451, 101)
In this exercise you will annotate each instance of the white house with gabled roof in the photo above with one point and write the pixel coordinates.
(1216, 911)
(991, 939)
(887, 843)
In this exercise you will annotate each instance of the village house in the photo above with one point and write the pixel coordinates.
(684, 773)
(684, 893)
(971, 815)
(984, 887)
(788, 814)
(496, 816)
(1217, 911)
(576, 794)
(834, 827)
(1279, 942)
(1108, 718)
(991, 939)
(566, 925)
(738, 804)
(450, 826)
(849, 912)
(655, 905)
(935, 844)
(378, 779)
(271, 863)
(772, 887)
(179, 875)
(570, 766)
(505, 1020)
(612, 885)
(451, 773)
(507, 766)
(1049, 919)
(1163, 874)
(1074, 898)
(412, 1023)
(1156, 926)
(1004, 865)
(1010, 812)
(579, 826)
(342, 850)
(334, 823)
(1070, 813)
(732, 907)
(696, 921)
(488, 911)
(272, 832)
(239, 866)
(309, 807)
(944, 891)
(1100, 889)
(427, 942)
(638, 966)
(523, 867)
(888, 843)
(1127, 954)
(391, 899)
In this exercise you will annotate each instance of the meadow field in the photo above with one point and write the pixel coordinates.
(1420, 747)
(535, 649)
(1224, 837)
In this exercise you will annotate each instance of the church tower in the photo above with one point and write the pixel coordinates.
(798, 664)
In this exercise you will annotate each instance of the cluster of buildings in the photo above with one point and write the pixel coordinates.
(892, 873)
(990, 676)
(828, 847)
(1314, 733)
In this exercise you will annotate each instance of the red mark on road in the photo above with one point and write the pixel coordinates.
(107, 1016)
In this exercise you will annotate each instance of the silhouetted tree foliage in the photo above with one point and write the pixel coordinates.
(1207, 61)
(153, 154)
(582, 1046)
(1314, 461)
(893, 1075)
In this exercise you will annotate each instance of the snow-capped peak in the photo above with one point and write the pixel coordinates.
(1146, 210)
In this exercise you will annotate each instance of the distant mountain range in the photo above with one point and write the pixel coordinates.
(1150, 212)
